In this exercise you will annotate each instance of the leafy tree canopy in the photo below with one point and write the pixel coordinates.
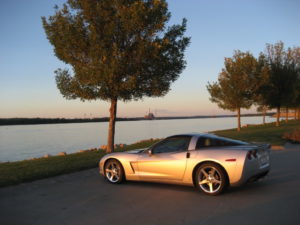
(234, 88)
(118, 49)
(281, 88)
(261, 80)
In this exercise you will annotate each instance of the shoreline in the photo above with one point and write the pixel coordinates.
(39, 121)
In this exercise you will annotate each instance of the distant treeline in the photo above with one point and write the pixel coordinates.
(29, 121)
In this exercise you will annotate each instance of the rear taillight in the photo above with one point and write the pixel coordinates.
(252, 154)
(249, 155)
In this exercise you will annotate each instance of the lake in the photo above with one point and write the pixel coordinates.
(28, 141)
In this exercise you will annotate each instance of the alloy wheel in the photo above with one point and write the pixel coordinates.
(113, 171)
(210, 179)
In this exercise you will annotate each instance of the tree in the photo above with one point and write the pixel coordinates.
(234, 88)
(119, 50)
(295, 54)
(263, 109)
(280, 90)
(261, 78)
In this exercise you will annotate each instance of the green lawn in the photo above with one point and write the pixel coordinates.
(268, 133)
(29, 170)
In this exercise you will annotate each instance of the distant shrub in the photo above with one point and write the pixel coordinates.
(293, 136)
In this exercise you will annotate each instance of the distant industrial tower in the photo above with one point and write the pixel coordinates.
(149, 116)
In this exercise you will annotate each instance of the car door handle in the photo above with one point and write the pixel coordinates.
(188, 155)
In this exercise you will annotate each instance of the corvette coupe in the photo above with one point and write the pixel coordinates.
(211, 163)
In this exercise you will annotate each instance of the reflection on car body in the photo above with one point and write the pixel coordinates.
(209, 162)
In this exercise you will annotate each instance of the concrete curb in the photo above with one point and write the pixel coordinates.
(286, 146)
(277, 147)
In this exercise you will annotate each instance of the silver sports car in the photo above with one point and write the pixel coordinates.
(210, 163)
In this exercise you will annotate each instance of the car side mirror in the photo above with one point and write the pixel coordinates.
(149, 152)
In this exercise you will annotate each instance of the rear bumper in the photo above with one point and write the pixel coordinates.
(257, 176)
(252, 173)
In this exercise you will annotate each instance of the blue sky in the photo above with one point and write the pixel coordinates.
(217, 28)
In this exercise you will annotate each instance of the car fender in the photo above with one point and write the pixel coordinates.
(227, 160)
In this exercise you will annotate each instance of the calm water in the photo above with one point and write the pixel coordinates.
(28, 141)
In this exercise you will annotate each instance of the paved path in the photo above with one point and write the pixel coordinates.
(86, 198)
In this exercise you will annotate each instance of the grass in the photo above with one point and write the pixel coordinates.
(28, 170)
(267, 133)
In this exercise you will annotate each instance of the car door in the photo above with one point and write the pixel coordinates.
(167, 160)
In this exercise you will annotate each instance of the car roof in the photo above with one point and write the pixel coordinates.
(208, 135)
(195, 134)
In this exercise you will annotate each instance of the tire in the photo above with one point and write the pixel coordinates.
(114, 171)
(211, 179)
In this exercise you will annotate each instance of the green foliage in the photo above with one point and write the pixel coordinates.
(234, 88)
(262, 77)
(262, 108)
(281, 88)
(295, 54)
(118, 49)
(29, 170)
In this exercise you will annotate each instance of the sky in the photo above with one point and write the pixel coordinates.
(216, 28)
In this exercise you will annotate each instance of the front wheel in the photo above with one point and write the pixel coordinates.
(211, 179)
(114, 172)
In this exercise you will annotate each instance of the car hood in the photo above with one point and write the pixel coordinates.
(135, 151)
(128, 155)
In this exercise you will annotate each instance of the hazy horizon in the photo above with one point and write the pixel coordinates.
(86, 116)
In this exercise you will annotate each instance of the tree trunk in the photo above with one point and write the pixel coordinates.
(112, 123)
(238, 119)
(264, 115)
(278, 116)
(295, 114)
(286, 114)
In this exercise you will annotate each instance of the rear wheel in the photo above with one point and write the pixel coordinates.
(114, 172)
(211, 179)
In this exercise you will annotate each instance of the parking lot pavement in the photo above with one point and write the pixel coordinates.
(86, 198)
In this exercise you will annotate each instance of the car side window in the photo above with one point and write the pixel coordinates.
(204, 142)
(172, 144)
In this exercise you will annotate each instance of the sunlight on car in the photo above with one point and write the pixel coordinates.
(210, 163)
